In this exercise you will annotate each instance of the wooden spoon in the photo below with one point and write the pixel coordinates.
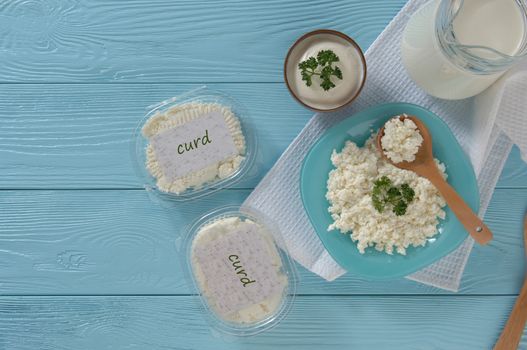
(512, 333)
(425, 166)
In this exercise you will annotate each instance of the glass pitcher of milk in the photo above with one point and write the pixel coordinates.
(455, 49)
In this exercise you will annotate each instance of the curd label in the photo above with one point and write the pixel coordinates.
(193, 146)
(239, 269)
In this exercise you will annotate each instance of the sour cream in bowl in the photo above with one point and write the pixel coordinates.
(325, 70)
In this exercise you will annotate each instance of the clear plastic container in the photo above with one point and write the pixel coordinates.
(237, 262)
(174, 120)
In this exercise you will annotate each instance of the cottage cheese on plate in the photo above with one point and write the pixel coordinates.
(349, 194)
(245, 252)
(178, 116)
(401, 140)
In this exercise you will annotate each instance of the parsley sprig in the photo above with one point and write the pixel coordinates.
(324, 60)
(385, 195)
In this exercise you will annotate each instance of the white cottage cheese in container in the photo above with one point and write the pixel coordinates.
(176, 117)
(349, 192)
(194, 144)
(401, 140)
(243, 278)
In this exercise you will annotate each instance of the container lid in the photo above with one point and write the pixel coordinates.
(193, 144)
(237, 262)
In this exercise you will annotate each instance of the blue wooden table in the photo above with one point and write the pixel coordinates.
(87, 261)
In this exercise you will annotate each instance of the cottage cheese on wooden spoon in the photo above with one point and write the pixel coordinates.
(401, 140)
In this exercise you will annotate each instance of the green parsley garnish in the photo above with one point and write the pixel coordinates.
(384, 194)
(325, 60)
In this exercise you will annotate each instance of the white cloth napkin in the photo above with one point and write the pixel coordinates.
(486, 127)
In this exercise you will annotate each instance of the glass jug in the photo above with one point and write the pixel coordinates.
(455, 49)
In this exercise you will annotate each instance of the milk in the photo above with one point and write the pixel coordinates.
(497, 24)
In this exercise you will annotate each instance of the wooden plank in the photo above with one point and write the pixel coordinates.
(328, 322)
(169, 41)
(119, 242)
(78, 136)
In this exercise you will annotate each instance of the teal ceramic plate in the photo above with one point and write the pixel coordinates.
(374, 264)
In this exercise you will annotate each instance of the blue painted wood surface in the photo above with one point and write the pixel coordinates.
(87, 261)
